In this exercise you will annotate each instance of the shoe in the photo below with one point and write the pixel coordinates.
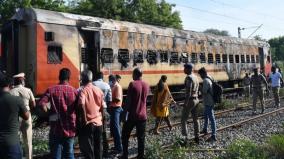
(253, 113)
(196, 140)
(204, 132)
(211, 139)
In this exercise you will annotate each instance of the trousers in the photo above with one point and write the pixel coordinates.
(140, 132)
(257, 93)
(27, 136)
(90, 141)
(275, 91)
(190, 107)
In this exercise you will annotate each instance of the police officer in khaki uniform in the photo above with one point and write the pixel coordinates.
(191, 101)
(258, 81)
(246, 84)
(29, 101)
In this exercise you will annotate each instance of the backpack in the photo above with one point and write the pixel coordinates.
(217, 90)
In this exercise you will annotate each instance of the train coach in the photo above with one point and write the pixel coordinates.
(40, 43)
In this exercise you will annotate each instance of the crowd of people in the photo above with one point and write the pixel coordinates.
(84, 111)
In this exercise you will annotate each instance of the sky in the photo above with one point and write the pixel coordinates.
(199, 15)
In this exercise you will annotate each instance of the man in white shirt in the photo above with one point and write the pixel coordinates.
(276, 80)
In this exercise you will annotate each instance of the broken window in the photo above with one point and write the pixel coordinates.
(243, 59)
(54, 54)
(164, 57)
(151, 57)
(123, 57)
(252, 59)
(107, 55)
(84, 55)
(210, 58)
(202, 58)
(218, 58)
(225, 58)
(237, 58)
(248, 58)
(174, 58)
(193, 58)
(231, 58)
(137, 56)
(256, 58)
(184, 57)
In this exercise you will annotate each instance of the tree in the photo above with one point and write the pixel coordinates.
(8, 7)
(154, 12)
(140, 11)
(217, 32)
(277, 48)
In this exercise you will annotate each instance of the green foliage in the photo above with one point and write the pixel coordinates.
(140, 11)
(154, 150)
(225, 104)
(154, 12)
(9, 7)
(275, 146)
(243, 149)
(40, 146)
(217, 32)
(277, 48)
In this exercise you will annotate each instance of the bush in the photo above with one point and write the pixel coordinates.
(154, 150)
(243, 149)
(225, 104)
(40, 146)
(275, 146)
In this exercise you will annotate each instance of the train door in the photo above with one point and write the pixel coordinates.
(10, 54)
(90, 52)
(261, 57)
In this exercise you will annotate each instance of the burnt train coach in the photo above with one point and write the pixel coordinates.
(40, 43)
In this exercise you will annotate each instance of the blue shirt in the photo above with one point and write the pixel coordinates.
(105, 88)
(275, 79)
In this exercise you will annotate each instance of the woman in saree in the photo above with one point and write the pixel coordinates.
(162, 99)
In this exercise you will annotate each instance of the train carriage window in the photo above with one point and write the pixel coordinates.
(184, 57)
(151, 57)
(123, 57)
(193, 58)
(84, 55)
(225, 58)
(54, 54)
(231, 58)
(252, 59)
(256, 58)
(202, 58)
(210, 58)
(137, 56)
(237, 58)
(174, 58)
(248, 58)
(218, 58)
(107, 55)
(164, 57)
(243, 59)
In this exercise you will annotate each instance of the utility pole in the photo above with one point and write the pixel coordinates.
(239, 30)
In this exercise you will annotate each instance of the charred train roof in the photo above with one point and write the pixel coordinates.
(28, 16)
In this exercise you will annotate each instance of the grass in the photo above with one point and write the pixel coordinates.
(273, 148)
(40, 146)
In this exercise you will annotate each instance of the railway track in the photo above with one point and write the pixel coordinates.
(236, 125)
(217, 114)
